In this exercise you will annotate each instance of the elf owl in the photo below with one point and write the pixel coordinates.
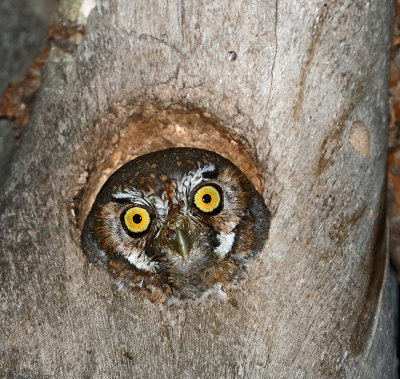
(176, 224)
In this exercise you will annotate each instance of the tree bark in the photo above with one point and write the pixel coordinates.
(308, 95)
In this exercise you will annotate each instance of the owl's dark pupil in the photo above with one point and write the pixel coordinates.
(206, 198)
(137, 218)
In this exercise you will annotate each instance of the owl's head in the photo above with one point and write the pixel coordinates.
(178, 223)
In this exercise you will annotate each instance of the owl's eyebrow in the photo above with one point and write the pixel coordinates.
(210, 172)
(127, 196)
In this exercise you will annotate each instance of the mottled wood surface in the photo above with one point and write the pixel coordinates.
(317, 302)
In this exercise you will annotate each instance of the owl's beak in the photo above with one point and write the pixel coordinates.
(183, 242)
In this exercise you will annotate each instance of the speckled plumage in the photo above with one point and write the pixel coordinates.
(219, 244)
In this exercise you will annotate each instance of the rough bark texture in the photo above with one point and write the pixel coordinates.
(308, 95)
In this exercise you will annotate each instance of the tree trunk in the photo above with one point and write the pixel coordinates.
(307, 94)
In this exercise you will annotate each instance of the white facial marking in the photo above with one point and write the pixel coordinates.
(128, 194)
(140, 261)
(226, 241)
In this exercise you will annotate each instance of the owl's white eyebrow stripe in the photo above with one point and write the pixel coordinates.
(122, 196)
(131, 199)
(208, 168)
(192, 178)
(210, 172)
(128, 195)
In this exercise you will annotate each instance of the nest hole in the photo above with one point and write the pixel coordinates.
(128, 132)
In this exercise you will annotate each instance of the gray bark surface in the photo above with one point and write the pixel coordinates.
(316, 303)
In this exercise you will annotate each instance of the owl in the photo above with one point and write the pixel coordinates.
(176, 224)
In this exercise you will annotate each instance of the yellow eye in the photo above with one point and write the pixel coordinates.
(137, 220)
(207, 199)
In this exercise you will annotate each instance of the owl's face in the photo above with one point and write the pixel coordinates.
(176, 223)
